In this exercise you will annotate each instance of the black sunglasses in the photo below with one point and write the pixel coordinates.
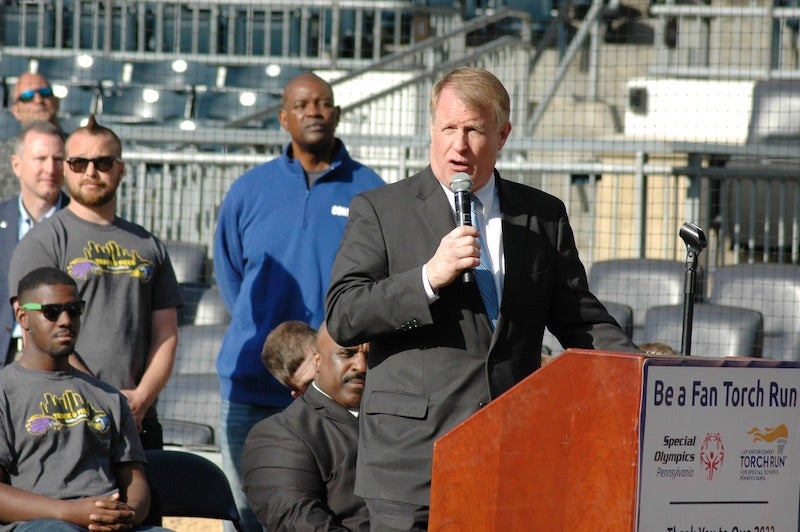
(28, 96)
(52, 312)
(101, 164)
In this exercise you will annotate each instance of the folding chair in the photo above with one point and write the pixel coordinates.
(184, 484)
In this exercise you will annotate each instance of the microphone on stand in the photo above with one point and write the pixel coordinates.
(695, 240)
(460, 185)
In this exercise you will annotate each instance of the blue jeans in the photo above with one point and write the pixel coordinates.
(54, 525)
(236, 421)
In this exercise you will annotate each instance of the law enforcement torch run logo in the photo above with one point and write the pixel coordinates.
(712, 454)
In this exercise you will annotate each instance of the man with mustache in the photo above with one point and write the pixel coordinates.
(277, 234)
(298, 466)
(70, 455)
(131, 330)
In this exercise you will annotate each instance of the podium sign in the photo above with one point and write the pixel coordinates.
(720, 446)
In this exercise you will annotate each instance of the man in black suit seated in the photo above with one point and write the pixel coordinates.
(298, 466)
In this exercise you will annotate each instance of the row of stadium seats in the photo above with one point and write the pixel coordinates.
(171, 92)
(750, 310)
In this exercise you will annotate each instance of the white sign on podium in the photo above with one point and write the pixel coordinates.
(720, 446)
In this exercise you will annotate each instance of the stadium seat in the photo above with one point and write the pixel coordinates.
(202, 305)
(773, 290)
(717, 330)
(177, 75)
(77, 101)
(270, 78)
(227, 106)
(188, 260)
(13, 65)
(188, 405)
(185, 484)
(641, 284)
(142, 105)
(83, 70)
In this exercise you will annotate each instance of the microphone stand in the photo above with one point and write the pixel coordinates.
(695, 241)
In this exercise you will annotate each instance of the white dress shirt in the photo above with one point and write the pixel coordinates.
(493, 234)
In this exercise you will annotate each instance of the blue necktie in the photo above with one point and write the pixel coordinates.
(484, 274)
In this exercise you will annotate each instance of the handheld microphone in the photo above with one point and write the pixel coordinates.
(460, 185)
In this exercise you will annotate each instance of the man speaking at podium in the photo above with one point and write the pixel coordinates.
(442, 347)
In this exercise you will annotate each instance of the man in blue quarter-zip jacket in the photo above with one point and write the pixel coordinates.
(277, 235)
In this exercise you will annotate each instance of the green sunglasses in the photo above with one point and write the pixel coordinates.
(53, 311)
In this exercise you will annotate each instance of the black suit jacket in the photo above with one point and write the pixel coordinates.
(298, 467)
(432, 366)
(9, 229)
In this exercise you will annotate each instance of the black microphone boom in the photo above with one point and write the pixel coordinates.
(460, 185)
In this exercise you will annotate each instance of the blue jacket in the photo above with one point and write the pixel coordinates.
(274, 248)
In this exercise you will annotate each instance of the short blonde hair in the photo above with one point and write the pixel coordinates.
(478, 89)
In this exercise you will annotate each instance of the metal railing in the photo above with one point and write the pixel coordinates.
(755, 41)
(311, 33)
(625, 199)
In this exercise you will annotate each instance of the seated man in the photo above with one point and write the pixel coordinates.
(288, 354)
(70, 454)
(298, 466)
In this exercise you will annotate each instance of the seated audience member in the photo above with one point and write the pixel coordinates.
(70, 455)
(288, 354)
(298, 466)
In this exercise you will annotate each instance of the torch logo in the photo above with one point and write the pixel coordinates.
(712, 453)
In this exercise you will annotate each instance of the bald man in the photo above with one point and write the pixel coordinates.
(33, 100)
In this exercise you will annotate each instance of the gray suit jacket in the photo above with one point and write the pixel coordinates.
(298, 467)
(432, 366)
(9, 229)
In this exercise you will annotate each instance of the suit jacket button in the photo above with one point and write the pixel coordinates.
(482, 404)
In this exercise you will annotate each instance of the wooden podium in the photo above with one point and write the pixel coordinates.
(600, 441)
(559, 451)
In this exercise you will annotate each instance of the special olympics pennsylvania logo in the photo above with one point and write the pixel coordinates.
(712, 454)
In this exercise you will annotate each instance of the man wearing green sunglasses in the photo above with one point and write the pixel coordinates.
(70, 457)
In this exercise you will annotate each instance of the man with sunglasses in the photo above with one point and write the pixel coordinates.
(130, 332)
(70, 456)
(37, 163)
(32, 100)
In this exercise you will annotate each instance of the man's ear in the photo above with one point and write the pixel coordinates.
(16, 162)
(20, 313)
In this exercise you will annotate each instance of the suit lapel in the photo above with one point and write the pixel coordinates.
(329, 408)
(433, 209)
(515, 224)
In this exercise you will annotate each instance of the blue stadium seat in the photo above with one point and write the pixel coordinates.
(84, 70)
(142, 105)
(178, 75)
(13, 65)
(225, 106)
(269, 78)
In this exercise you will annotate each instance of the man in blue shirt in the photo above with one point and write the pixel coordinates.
(277, 235)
